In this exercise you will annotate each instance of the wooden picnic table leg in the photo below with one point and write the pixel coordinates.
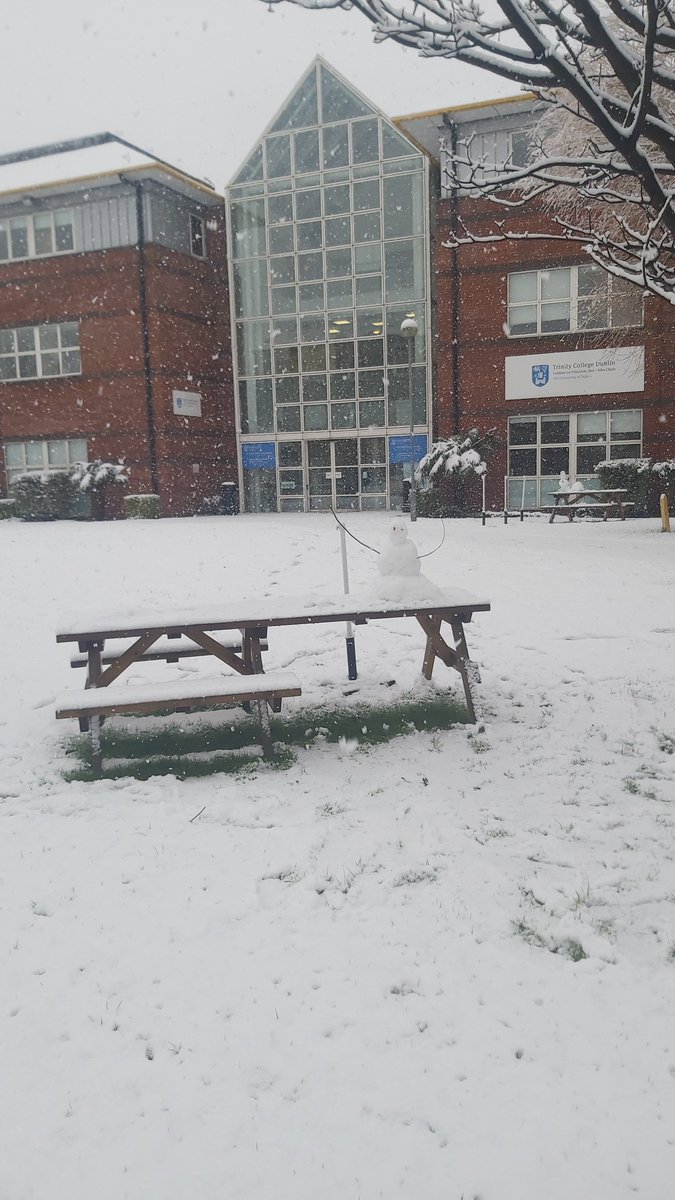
(467, 669)
(429, 651)
(252, 655)
(265, 728)
(93, 651)
(456, 657)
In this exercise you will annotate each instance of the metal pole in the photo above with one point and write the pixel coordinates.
(349, 638)
(483, 484)
(413, 481)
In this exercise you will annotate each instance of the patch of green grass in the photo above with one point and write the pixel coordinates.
(572, 949)
(232, 747)
(666, 743)
(529, 934)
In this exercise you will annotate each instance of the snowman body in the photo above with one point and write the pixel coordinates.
(398, 556)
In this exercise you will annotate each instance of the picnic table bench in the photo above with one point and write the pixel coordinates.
(110, 646)
(570, 503)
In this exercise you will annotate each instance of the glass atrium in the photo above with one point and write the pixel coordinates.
(328, 250)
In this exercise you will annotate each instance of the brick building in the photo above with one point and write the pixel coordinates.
(114, 321)
(569, 364)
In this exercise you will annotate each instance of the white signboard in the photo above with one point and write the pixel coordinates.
(187, 404)
(579, 373)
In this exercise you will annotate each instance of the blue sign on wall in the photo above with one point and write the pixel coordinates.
(400, 448)
(259, 455)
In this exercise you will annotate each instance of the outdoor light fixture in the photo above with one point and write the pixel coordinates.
(409, 330)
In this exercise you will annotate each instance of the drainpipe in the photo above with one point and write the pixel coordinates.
(454, 288)
(142, 291)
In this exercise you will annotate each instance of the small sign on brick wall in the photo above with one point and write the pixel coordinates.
(187, 404)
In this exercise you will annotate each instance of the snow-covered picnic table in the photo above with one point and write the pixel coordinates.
(196, 630)
(569, 502)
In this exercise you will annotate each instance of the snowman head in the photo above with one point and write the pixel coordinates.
(398, 532)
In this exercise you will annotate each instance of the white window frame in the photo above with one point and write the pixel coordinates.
(29, 220)
(41, 353)
(196, 220)
(573, 299)
(73, 454)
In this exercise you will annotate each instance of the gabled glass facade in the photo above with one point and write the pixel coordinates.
(328, 248)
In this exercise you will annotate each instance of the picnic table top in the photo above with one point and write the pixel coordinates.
(255, 612)
(590, 492)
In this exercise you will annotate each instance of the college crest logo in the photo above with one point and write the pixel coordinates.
(540, 374)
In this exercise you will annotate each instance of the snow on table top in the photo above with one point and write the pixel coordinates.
(165, 693)
(289, 610)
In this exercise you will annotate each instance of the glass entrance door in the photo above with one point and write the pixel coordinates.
(333, 474)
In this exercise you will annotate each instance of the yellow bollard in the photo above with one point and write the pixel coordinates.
(665, 516)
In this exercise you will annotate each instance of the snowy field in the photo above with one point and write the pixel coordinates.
(442, 969)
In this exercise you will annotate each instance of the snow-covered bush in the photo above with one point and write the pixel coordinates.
(49, 497)
(633, 474)
(451, 470)
(140, 507)
(95, 478)
(664, 472)
(7, 509)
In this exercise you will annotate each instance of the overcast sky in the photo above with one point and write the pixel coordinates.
(195, 81)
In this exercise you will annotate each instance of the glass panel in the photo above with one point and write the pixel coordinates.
(371, 414)
(627, 451)
(523, 462)
(50, 364)
(336, 200)
(18, 235)
(311, 297)
(555, 285)
(339, 294)
(523, 286)
(25, 338)
(366, 194)
(394, 145)
(397, 344)
(7, 368)
(282, 269)
(283, 299)
(286, 360)
(250, 287)
(308, 204)
(4, 242)
(35, 454)
(588, 457)
(369, 289)
(365, 141)
(520, 147)
(592, 427)
(367, 227)
(399, 402)
(63, 222)
(313, 358)
(371, 383)
(6, 341)
(318, 454)
(404, 269)
(371, 352)
(253, 348)
(313, 329)
(522, 493)
(77, 450)
(42, 232)
(626, 304)
(553, 461)
(523, 319)
(248, 228)
(343, 386)
(341, 326)
(314, 389)
(278, 156)
(555, 318)
(302, 108)
(346, 452)
(290, 483)
(523, 431)
(57, 454)
(337, 100)
(591, 280)
(70, 334)
(338, 262)
(281, 239)
(553, 429)
(28, 366)
(335, 146)
(14, 454)
(290, 454)
(256, 406)
(308, 235)
(253, 168)
(341, 356)
(306, 151)
(48, 337)
(373, 450)
(339, 175)
(369, 322)
(280, 209)
(373, 479)
(310, 266)
(625, 425)
(284, 331)
(343, 416)
(403, 204)
(592, 313)
(401, 165)
(260, 490)
(315, 416)
(71, 363)
(288, 390)
(338, 231)
(288, 419)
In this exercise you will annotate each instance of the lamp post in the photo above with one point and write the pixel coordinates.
(409, 329)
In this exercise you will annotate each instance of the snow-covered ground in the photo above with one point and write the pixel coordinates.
(356, 978)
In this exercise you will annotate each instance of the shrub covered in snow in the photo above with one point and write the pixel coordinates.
(140, 507)
(49, 497)
(450, 469)
(664, 472)
(633, 474)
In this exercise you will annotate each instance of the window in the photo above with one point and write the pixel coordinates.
(482, 156)
(36, 235)
(198, 236)
(540, 447)
(565, 299)
(22, 458)
(41, 351)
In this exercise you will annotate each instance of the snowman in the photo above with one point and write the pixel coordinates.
(398, 556)
(563, 482)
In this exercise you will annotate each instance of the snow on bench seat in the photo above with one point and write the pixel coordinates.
(167, 697)
(169, 649)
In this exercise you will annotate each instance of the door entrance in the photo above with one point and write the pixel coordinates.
(333, 474)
